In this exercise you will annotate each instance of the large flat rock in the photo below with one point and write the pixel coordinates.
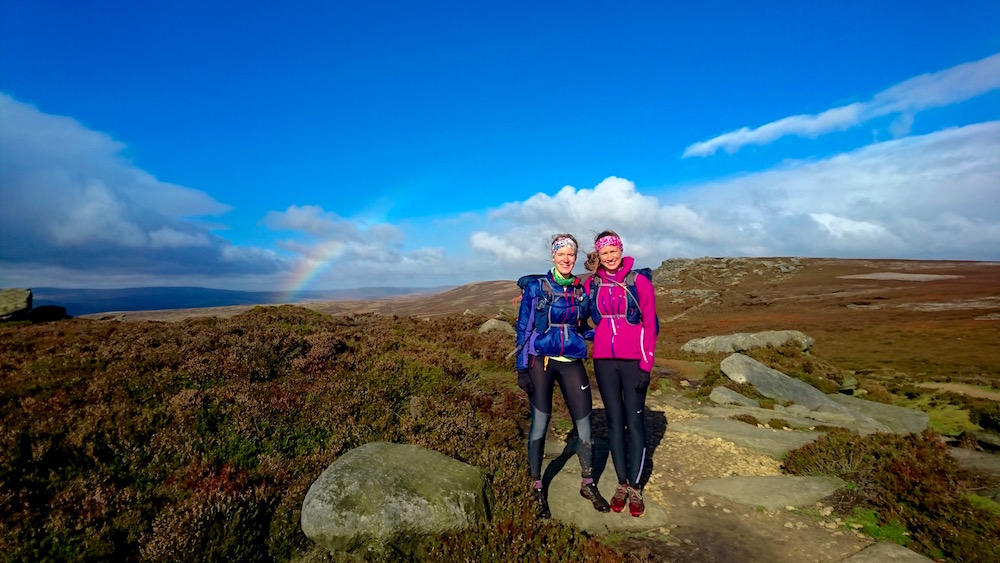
(900, 420)
(886, 552)
(741, 341)
(782, 388)
(773, 492)
(798, 418)
(972, 459)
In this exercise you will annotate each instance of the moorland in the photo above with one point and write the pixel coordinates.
(194, 434)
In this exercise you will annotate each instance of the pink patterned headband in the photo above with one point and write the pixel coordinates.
(610, 240)
(561, 243)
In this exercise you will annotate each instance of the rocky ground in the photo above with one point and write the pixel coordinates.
(776, 520)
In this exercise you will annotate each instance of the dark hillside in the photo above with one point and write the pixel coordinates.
(90, 301)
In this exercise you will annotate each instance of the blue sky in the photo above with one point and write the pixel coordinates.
(324, 145)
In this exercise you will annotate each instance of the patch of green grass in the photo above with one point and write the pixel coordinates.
(875, 527)
(945, 418)
(562, 425)
(778, 423)
(983, 503)
(811, 512)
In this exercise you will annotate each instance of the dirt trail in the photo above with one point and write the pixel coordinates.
(709, 529)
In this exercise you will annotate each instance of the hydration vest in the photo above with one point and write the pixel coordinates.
(543, 307)
(633, 313)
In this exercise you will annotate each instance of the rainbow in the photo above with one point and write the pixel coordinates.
(309, 268)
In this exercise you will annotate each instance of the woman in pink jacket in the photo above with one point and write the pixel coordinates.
(623, 307)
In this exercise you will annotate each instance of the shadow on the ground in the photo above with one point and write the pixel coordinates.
(656, 428)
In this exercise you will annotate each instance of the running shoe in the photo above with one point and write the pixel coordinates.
(635, 505)
(542, 505)
(590, 492)
(618, 501)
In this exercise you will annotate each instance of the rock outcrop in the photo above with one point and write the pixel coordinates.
(900, 420)
(14, 304)
(723, 271)
(784, 389)
(377, 498)
(726, 396)
(742, 341)
(497, 324)
(772, 492)
(772, 383)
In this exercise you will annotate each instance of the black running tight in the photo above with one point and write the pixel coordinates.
(572, 379)
(624, 407)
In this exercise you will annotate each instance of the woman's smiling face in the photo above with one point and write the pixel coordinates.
(611, 258)
(565, 259)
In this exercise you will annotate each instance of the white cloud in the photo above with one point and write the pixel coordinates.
(497, 247)
(956, 84)
(926, 91)
(841, 227)
(927, 196)
(71, 199)
(933, 196)
(648, 227)
(811, 126)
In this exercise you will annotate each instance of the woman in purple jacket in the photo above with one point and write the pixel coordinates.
(550, 349)
(623, 306)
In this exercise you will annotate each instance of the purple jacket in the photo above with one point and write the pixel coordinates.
(615, 337)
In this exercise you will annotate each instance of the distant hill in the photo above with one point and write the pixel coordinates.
(88, 301)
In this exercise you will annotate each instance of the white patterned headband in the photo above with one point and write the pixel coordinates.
(562, 243)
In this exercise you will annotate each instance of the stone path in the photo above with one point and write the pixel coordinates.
(715, 493)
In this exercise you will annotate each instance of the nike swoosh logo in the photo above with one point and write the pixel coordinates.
(638, 411)
(584, 387)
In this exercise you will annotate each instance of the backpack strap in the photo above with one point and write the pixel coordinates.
(576, 296)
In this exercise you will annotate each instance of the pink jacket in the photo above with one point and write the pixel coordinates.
(615, 337)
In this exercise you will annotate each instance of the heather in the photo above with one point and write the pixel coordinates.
(908, 482)
(198, 439)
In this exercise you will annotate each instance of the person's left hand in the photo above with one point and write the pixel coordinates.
(524, 382)
(643, 382)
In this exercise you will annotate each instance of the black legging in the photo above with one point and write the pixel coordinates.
(624, 407)
(572, 378)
